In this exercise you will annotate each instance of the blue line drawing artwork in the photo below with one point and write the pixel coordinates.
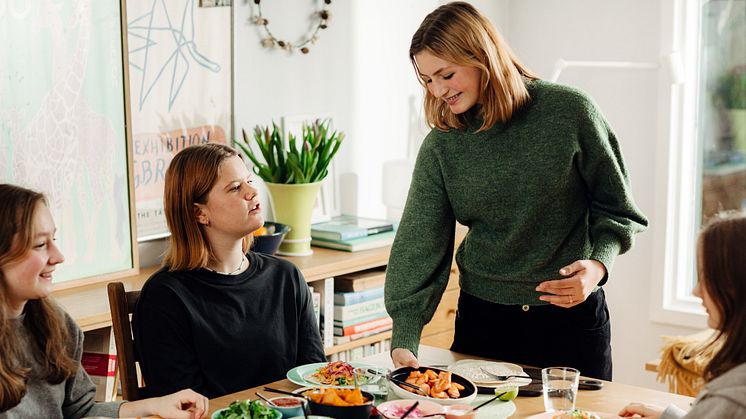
(159, 49)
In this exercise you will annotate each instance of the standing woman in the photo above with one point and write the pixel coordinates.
(218, 318)
(535, 172)
(40, 344)
(722, 288)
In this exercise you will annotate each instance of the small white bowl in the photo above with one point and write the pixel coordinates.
(425, 406)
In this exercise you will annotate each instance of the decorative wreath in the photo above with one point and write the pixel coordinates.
(272, 41)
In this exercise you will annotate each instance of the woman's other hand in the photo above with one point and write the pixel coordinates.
(185, 404)
(580, 278)
(404, 358)
(645, 411)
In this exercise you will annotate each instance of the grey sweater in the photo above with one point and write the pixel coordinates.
(723, 397)
(538, 192)
(72, 398)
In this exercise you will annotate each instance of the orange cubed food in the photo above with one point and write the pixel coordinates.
(355, 397)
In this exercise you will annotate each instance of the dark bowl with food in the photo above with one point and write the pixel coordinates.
(268, 238)
(467, 390)
(344, 412)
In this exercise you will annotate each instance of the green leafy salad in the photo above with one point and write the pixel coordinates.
(248, 410)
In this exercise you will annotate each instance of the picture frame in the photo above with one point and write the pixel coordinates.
(73, 147)
(178, 98)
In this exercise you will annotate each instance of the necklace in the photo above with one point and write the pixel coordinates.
(243, 258)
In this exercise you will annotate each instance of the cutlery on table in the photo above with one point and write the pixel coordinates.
(497, 396)
(263, 397)
(502, 377)
(406, 384)
(410, 410)
(289, 393)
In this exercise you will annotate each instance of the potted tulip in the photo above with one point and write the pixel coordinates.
(293, 174)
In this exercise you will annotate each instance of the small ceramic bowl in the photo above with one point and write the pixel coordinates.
(289, 406)
(460, 411)
(395, 408)
(270, 242)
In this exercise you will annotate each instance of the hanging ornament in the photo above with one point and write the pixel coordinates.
(271, 41)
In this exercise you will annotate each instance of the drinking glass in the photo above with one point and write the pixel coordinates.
(560, 388)
(374, 380)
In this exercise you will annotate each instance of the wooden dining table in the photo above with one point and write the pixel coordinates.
(611, 398)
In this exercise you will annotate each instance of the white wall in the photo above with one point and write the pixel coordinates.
(359, 73)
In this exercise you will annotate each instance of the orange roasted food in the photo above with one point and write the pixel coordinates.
(260, 231)
(337, 396)
(436, 385)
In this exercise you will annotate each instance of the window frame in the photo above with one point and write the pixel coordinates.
(679, 179)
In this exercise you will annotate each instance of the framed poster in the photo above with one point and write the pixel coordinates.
(180, 79)
(63, 128)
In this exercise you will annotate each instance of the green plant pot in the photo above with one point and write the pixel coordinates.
(292, 204)
(738, 129)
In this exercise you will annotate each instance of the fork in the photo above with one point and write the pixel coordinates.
(502, 377)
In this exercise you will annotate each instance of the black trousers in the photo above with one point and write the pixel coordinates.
(542, 336)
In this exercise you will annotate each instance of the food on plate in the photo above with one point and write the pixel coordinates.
(286, 402)
(337, 373)
(248, 410)
(399, 411)
(436, 385)
(576, 414)
(337, 396)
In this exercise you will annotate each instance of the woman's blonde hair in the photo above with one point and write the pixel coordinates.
(42, 318)
(458, 33)
(189, 179)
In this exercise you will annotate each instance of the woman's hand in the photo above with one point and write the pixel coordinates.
(404, 358)
(645, 411)
(185, 404)
(581, 277)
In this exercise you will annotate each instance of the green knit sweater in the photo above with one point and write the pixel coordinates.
(539, 192)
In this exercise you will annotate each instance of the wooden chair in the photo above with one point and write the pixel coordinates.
(122, 304)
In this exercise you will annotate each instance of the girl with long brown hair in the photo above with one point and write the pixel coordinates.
(721, 260)
(217, 317)
(41, 346)
(535, 172)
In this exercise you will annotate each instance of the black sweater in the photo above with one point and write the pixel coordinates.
(218, 334)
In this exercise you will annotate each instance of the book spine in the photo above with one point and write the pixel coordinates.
(349, 298)
(370, 332)
(326, 289)
(338, 235)
(354, 311)
(346, 323)
(363, 327)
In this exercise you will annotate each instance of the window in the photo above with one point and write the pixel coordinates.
(705, 98)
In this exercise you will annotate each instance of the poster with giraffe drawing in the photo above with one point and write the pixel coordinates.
(62, 126)
(180, 92)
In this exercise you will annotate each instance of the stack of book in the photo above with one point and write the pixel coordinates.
(351, 233)
(359, 310)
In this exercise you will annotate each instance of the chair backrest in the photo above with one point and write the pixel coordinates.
(122, 304)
